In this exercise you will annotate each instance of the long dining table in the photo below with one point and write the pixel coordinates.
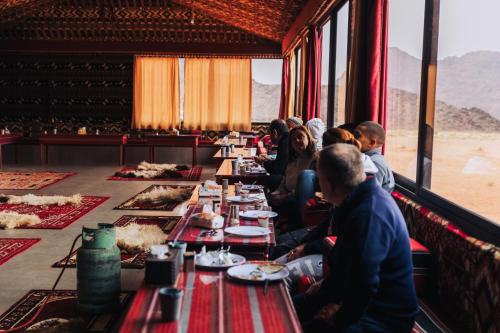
(225, 171)
(214, 303)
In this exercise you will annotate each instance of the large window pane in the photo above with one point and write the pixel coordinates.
(325, 62)
(406, 25)
(341, 64)
(266, 89)
(466, 154)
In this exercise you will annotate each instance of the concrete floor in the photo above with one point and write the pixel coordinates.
(32, 268)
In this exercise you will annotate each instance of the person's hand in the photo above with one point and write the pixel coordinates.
(261, 158)
(314, 288)
(296, 253)
(327, 312)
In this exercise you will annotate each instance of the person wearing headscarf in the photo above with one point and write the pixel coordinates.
(317, 127)
(293, 122)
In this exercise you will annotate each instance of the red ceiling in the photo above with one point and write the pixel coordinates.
(248, 24)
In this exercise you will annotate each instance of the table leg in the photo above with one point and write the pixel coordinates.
(16, 154)
(151, 154)
(194, 156)
(44, 153)
(122, 154)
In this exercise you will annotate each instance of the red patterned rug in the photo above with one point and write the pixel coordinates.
(193, 174)
(30, 180)
(135, 203)
(56, 217)
(166, 223)
(10, 247)
(61, 312)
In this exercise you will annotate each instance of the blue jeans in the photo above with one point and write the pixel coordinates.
(307, 184)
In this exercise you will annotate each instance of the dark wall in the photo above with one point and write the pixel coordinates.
(67, 91)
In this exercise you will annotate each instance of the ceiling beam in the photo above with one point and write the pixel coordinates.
(311, 12)
(13, 10)
(230, 14)
(271, 50)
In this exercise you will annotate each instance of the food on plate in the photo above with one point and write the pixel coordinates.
(270, 268)
(220, 257)
(208, 220)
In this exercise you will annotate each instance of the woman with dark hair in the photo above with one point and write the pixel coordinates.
(301, 151)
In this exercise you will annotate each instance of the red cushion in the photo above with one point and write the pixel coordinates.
(417, 247)
(330, 241)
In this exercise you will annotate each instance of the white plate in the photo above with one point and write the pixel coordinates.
(247, 231)
(237, 260)
(244, 272)
(238, 198)
(252, 187)
(254, 214)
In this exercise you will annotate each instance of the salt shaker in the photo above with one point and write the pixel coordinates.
(234, 218)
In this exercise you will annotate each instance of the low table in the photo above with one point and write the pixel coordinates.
(196, 238)
(152, 141)
(236, 142)
(47, 140)
(7, 139)
(214, 303)
(246, 153)
(225, 171)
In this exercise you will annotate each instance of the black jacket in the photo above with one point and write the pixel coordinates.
(278, 166)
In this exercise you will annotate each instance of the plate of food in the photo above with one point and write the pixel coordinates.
(219, 259)
(252, 187)
(258, 272)
(254, 214)
(247, 231)
(208, 220)
(240, 199)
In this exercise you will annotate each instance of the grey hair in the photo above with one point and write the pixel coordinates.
(342, 165)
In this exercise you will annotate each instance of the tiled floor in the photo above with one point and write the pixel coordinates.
(32, 268)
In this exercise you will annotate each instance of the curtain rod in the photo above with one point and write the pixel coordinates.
(224, 56)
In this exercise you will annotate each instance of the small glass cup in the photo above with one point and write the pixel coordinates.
(263, 220)
(170, 303)
(244, 194)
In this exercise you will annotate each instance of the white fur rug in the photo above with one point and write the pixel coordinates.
(11, 220)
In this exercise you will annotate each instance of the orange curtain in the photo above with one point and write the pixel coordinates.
(218, 94)
(302, 74)
(290, 97)
(156, 93)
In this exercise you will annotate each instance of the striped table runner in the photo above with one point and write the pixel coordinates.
(213, 303)
(185, 232)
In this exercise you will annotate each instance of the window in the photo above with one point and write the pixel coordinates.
(298, 77)
(465, 154)
(341, 50)
(325, 66)
(406, 28)
(266, 89)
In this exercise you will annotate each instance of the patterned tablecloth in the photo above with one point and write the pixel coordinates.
(186, 232)
(214, 303)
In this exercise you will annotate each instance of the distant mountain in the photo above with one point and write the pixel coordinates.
(469, 81)
(265, 101)
(404, 113)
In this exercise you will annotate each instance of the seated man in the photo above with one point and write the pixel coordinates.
(369, 284)
(278, 131)
(372, 138)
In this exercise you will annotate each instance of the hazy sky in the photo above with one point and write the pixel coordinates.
(464, 26)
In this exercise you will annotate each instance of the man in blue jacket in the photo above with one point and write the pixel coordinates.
(368, 285)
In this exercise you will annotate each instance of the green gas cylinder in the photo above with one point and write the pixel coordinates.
(98, 270)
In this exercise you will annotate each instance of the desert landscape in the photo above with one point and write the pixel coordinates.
(466, 157)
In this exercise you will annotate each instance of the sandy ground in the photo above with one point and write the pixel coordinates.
(465, 167)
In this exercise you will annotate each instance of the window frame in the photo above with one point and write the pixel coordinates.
(332, 64)
(470, 222)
